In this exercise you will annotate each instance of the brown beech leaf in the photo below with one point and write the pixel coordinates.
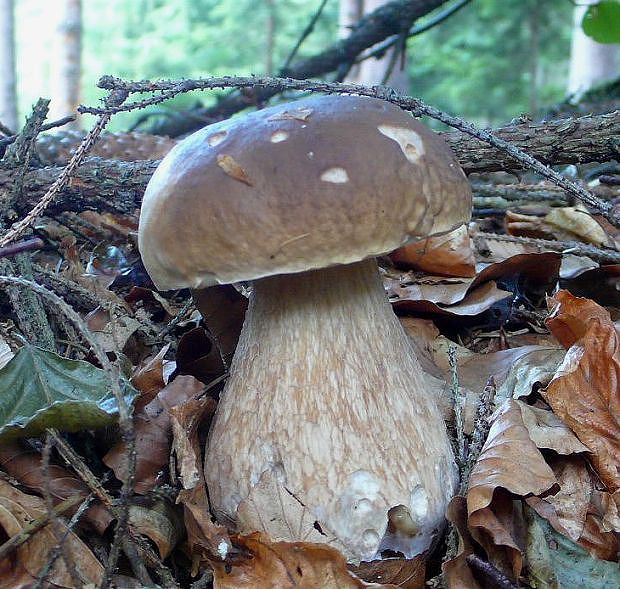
(286, 565)
(547, 430)
(25, 465)
(601, 284)
(153, 431)
(510, 462)
(199, 356)
(562, 223)
(457, 573)
(585, 391)
(417, 298)
(232, 168)
(148, 379)
(206, 540)
(21, 570)
(401, 572)
(579, 510)
(450, 254)
(160, 522)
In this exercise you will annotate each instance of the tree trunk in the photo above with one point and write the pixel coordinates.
(8, 99)
(68, 62)
(590, 62)
(390, 69)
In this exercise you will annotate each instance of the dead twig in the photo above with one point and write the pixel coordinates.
(166, 89)
(602, 255)
(35, 525)
(115, 98)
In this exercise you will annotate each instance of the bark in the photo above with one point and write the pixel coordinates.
(110, 185)
(8, 98)
(67, 62)
(390, 19)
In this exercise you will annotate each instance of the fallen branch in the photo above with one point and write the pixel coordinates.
(163, 90)
(116, 186)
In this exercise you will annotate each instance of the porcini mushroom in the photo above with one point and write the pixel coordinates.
(325, 394)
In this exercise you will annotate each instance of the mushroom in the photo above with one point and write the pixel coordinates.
(326, 398)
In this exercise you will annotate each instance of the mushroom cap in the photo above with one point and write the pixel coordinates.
(322, 181)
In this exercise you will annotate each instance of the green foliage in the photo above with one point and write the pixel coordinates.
(494, 60)
(40, 389)
(489, 62)
(602, 21)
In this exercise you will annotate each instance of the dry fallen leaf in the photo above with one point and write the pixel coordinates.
(510, 462)
(232, 168)
(450, 254)
(159, 522)
(457, 573)
(206, 540)
(21, 570)
(585, 391)
(562, 223)
(152, 430)
(548, 431)
(25, 465)
(286, 565)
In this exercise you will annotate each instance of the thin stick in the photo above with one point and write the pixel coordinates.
(46, 127)
(35, 525)
(115, 98)
(167, 89)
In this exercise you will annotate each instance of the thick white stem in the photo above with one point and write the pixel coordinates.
(326, 394)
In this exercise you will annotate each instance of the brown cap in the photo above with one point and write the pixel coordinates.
(323, 181)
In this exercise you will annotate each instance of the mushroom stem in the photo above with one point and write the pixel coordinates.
(326, 394)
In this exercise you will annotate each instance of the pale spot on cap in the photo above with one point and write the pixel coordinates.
(217, 138)
(409, 141)
(335, 176)
(278, 136)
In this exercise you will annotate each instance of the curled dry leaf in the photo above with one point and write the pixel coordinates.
(206, 540)
(286, 565)
(547, 430)
(199, 356)
(562, 223)
(160, 522)
(510, 462)
(526, 275)
(223, 310)
(148, 380)
(450, 254)
(232, 168)
(457, 573)
(21, 570)
(152, 431)
(585, 391)
(578, 510)
(401, 572)
(25, 465)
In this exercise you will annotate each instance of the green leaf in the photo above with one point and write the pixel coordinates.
(40, 389)
(556, 562)
(601, 21)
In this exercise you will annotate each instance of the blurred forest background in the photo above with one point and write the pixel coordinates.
(489, 62)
